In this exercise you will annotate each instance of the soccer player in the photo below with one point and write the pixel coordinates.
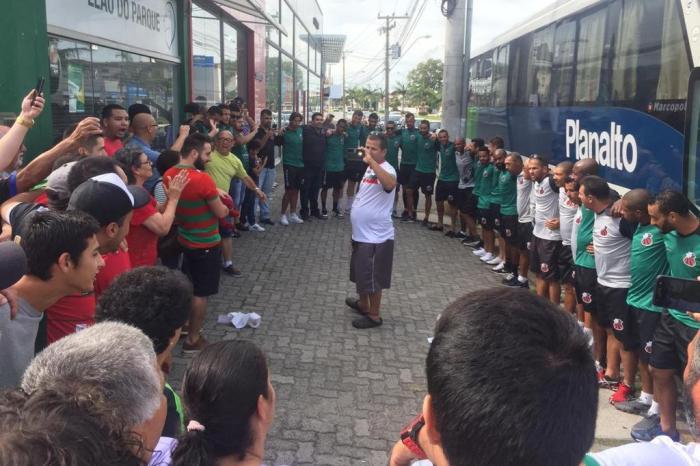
(446, 188)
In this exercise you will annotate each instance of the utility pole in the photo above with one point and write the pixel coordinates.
(389, 26)
(455, 77)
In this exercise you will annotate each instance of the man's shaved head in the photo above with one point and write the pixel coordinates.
(142, 121)
(583, 168)
(566, 167)
(637, 199)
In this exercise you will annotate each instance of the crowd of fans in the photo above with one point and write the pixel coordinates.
(89, 320)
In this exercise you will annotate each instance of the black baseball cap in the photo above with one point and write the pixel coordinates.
(107, 198)
(14, 263)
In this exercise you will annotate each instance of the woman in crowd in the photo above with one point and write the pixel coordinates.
(147, 224)
(230, 405)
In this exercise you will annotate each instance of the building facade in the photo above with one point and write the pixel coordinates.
(162, 53)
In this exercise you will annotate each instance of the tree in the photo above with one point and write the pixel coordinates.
(425, 84)
(400, 90)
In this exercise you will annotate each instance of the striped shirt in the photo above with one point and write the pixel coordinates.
(198, 227)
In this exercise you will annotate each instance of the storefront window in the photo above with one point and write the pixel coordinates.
(272, 81)
(272, 8)
(230, 62)
(288, 25)
(206, 57)
(300, 79)
(287, 87)
(314, 94)
(301, 47)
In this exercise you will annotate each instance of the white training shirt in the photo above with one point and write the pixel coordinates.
(546, 208)
(567, 212)
(371, 212)
(660, 451)
(612, 245)
(524, 199)
(574, 231)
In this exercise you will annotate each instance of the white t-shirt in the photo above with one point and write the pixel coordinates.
(546, 208)
(567, 212)
(660, 451)
(371, 212)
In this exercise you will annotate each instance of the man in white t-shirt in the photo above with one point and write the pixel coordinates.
(663, 450)
(372, 234)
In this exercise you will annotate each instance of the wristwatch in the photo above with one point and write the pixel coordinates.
(409, 437)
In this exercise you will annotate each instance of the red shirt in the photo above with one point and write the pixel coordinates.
(113, 145)
(76, 312)
(143, 243)
(198, 227)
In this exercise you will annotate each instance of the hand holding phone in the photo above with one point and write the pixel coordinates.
(680, 294)
(33, 103)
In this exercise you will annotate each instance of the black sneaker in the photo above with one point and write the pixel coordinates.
(267, 221)
(450, 234)
(404, 216)
(304, 215)
(231, 270)
(476, 244)
(242, 227)
(461, 235)
(408, 219)
(414, 217)
(320, 216)
(512, 281)
(366, 322)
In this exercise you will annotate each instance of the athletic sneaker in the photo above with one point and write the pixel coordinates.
(294, 218)
(521, 284)
(495, 261)
(500, 267)
(341, 214)
(283, 220)
(267, 221)
(404, 216)
(479, 252)
(450, 234)
(509, 278)
(231, 270)
(487, 257)
(324, 213)
(624, 393)
(476, 243)
(256, 227)
(607, 382)
(634, 406)
(649, 428)
(461, 235)
(395, 215)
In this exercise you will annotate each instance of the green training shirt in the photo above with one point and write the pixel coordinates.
(241, 151)
(426, 155)
(393, 143)
(409, 146)
(647, 261)
(683, 255)
(352, 137)
(448, 164)
(478, 172)
(584, 238)
(365, 131)
(335, 160)
(489, 179)
(505, 193)
(292, 153)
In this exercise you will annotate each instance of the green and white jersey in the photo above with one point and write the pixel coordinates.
(409, 146)
(488, 179)
(584, 237)
(292, 154)
(426, 160)
(335, 160)
(505, 193)
(683, 255)
(448, 163)
(352, 136)
(647, 261)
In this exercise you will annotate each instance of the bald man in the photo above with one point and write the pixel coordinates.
(144, 130)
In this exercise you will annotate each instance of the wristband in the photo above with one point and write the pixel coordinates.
(409, 437)
(24, 122)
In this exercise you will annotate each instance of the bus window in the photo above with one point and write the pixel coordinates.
(519, 49)
(500, 76)
(539, 68)
(673, 78)
(563, 62)
(589, 61)
(692, 137)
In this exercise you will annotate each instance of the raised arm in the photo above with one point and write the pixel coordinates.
(11, 142)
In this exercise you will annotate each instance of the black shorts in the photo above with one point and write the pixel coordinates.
(615, 313)
(544, 258)
(446, 191)
(405, 173)
(354, 171)
(647, 321)
(524, 235)
(203, 268)
(566, 265)
(671, 341)
(486, 218)
(370, 266)
(508, 228)
(586, 283)
(333, 180)
(424, 181)
(466, 201)
(293, 177)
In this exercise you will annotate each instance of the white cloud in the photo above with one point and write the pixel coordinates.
(357, 19)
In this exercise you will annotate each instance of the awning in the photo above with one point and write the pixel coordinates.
(331, 46)
(255, 10)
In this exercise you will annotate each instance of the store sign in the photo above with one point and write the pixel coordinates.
(150, 25)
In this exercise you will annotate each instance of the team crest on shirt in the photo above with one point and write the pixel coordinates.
(521, 181)
(689, 259)
(485, 174)
(508, 233)
(541, 190)
(568, 203)
(397, 143)
(604, 231)
(586, 297)
(427, 145)
(496, 222)
(544, 267)
(577, 220)
(647, 347)
(573, 274)
(618, 325)
(412, 137)
(483, 220)
(647, 239)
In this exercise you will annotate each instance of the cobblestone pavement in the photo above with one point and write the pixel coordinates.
(343, 394)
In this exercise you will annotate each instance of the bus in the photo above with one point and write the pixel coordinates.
(608, 79)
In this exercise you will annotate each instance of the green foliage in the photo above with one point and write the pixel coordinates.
(425, 84)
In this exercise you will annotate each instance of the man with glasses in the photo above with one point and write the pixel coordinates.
(145, 129)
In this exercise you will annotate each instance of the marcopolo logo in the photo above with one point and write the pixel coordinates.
(612, 149)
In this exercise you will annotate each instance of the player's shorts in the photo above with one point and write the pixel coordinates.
(354, 171)
(333, 180)
(446, 191)
(544, 258)
(405, 173)
(508, 229)
(524, 236)
(566, 265)
(586, 283)
(671, 341)
(615, 313)
(486, 217)
(466, 201)
(424, 181)
(647, 321)
(293, 177)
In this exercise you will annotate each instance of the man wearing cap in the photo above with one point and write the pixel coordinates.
(62, 258)
(198, 213)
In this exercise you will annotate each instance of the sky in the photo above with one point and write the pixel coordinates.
(365, 65)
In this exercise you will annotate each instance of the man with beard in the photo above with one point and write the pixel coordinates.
(115, 122)
(197, 215)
